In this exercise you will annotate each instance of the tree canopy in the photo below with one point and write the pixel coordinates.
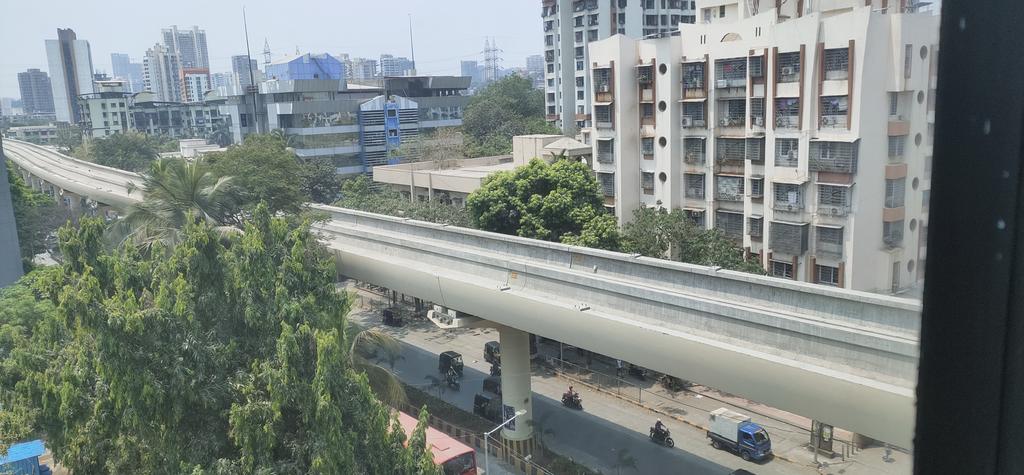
(553, 202)
(505, 108)
(359, 193)
(215, 357)
(318, 180)
(262, 170)
(132, 151)
(37, 216)
(671, 234)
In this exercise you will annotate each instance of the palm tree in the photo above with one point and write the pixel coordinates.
(176, 192)
(382, 381)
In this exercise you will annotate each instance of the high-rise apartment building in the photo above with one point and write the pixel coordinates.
(36, 92)
(569, 25)
(241, 65)
(471, 69)
(535, 70)
(70, 63)
(362, 69)
(106, 110)
(391, 66)
(194, 84)
(124, 68)
(803, 135)
(190, 46)
(161, 73)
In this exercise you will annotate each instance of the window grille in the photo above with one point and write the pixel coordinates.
(730, 224)
(693, 150)
(840, 157)
(895, 192)
(786, 152)
(789, 67)
(729, 188)
(837, 63)
(788, 238)
(605, 151)
(788, 197)
(694, 186)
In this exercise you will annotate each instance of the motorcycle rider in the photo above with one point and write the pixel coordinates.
(659, 428)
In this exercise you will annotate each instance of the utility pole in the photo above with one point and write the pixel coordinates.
(255, 89)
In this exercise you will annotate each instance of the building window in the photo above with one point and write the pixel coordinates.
(693, 150)
(580, 96)
(730, 224)
(787, 113)
(833, 200)
(782, 269)
(896, 143)
(579, 20)
(579, 65)
(788, 197)
(926, 196)
(837, 63)
(756, 225)
(721, 11)
(892, 233)
(694, 186)
(728, 188)
(647, 146)
(908, 56)
(603, 116)
(605, 151)
(788, 238)
(647, 182)
(592, 35)
(828, 241)
(579, 36)
(786, 152)
(579, 81)
(757, 188)
(895, 191)
(607, 184)
(894, 104)
(789, 67)
(827, 275)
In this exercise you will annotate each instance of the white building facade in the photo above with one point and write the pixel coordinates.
(569, 25)
(805, 136)
(161, 71)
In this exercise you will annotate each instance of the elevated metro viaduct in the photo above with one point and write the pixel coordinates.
(843, 357)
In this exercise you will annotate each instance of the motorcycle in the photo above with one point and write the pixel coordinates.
(662, 437)
(495, 370)
(572, 401)
(451, 377)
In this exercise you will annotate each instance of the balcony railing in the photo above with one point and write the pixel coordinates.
(787, 122)
(833, 210)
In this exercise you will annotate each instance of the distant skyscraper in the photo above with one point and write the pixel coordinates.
(190, 45)
(70, 62)
(363, 69)
(240, 65)
(124, 68)
(471, 69)
(36, 92)
(161, 73)
(395, 65)
(535, 69)
(224, 83)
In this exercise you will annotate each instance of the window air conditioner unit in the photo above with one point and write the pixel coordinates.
(722, 83)
(836, 211)
(787, 70)
(687, 122)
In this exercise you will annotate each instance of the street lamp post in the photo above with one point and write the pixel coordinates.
(487, 437)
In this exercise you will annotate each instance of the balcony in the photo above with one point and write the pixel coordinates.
(551, 117)
(833, 157)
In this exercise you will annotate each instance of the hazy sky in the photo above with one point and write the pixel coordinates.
(446, 31)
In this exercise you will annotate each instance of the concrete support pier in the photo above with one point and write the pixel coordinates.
(516, 393)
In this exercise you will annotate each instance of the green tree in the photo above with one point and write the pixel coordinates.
(132, 151)
(262, 170)
(175, 194)
(218, 356)
(68, 138)
(221, 134)
(542, 201)
(656, 232)
(503, 109)
(318, 180)
(36, 215)
(360, 194)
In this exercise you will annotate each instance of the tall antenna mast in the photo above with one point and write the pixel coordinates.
(266, 53)
(412, 49)
(252, 76)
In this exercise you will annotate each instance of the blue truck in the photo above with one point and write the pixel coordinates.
(734, 431)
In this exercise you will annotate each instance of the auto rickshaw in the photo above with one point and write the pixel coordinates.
(449, 359)
(392, 317)
(492, 385)
(488, 407)
(492, 352)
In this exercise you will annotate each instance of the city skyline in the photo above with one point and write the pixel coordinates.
(516, 33)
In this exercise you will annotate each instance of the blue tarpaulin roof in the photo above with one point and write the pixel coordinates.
(22, 451)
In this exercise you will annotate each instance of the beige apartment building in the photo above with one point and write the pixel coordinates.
(802, 131)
